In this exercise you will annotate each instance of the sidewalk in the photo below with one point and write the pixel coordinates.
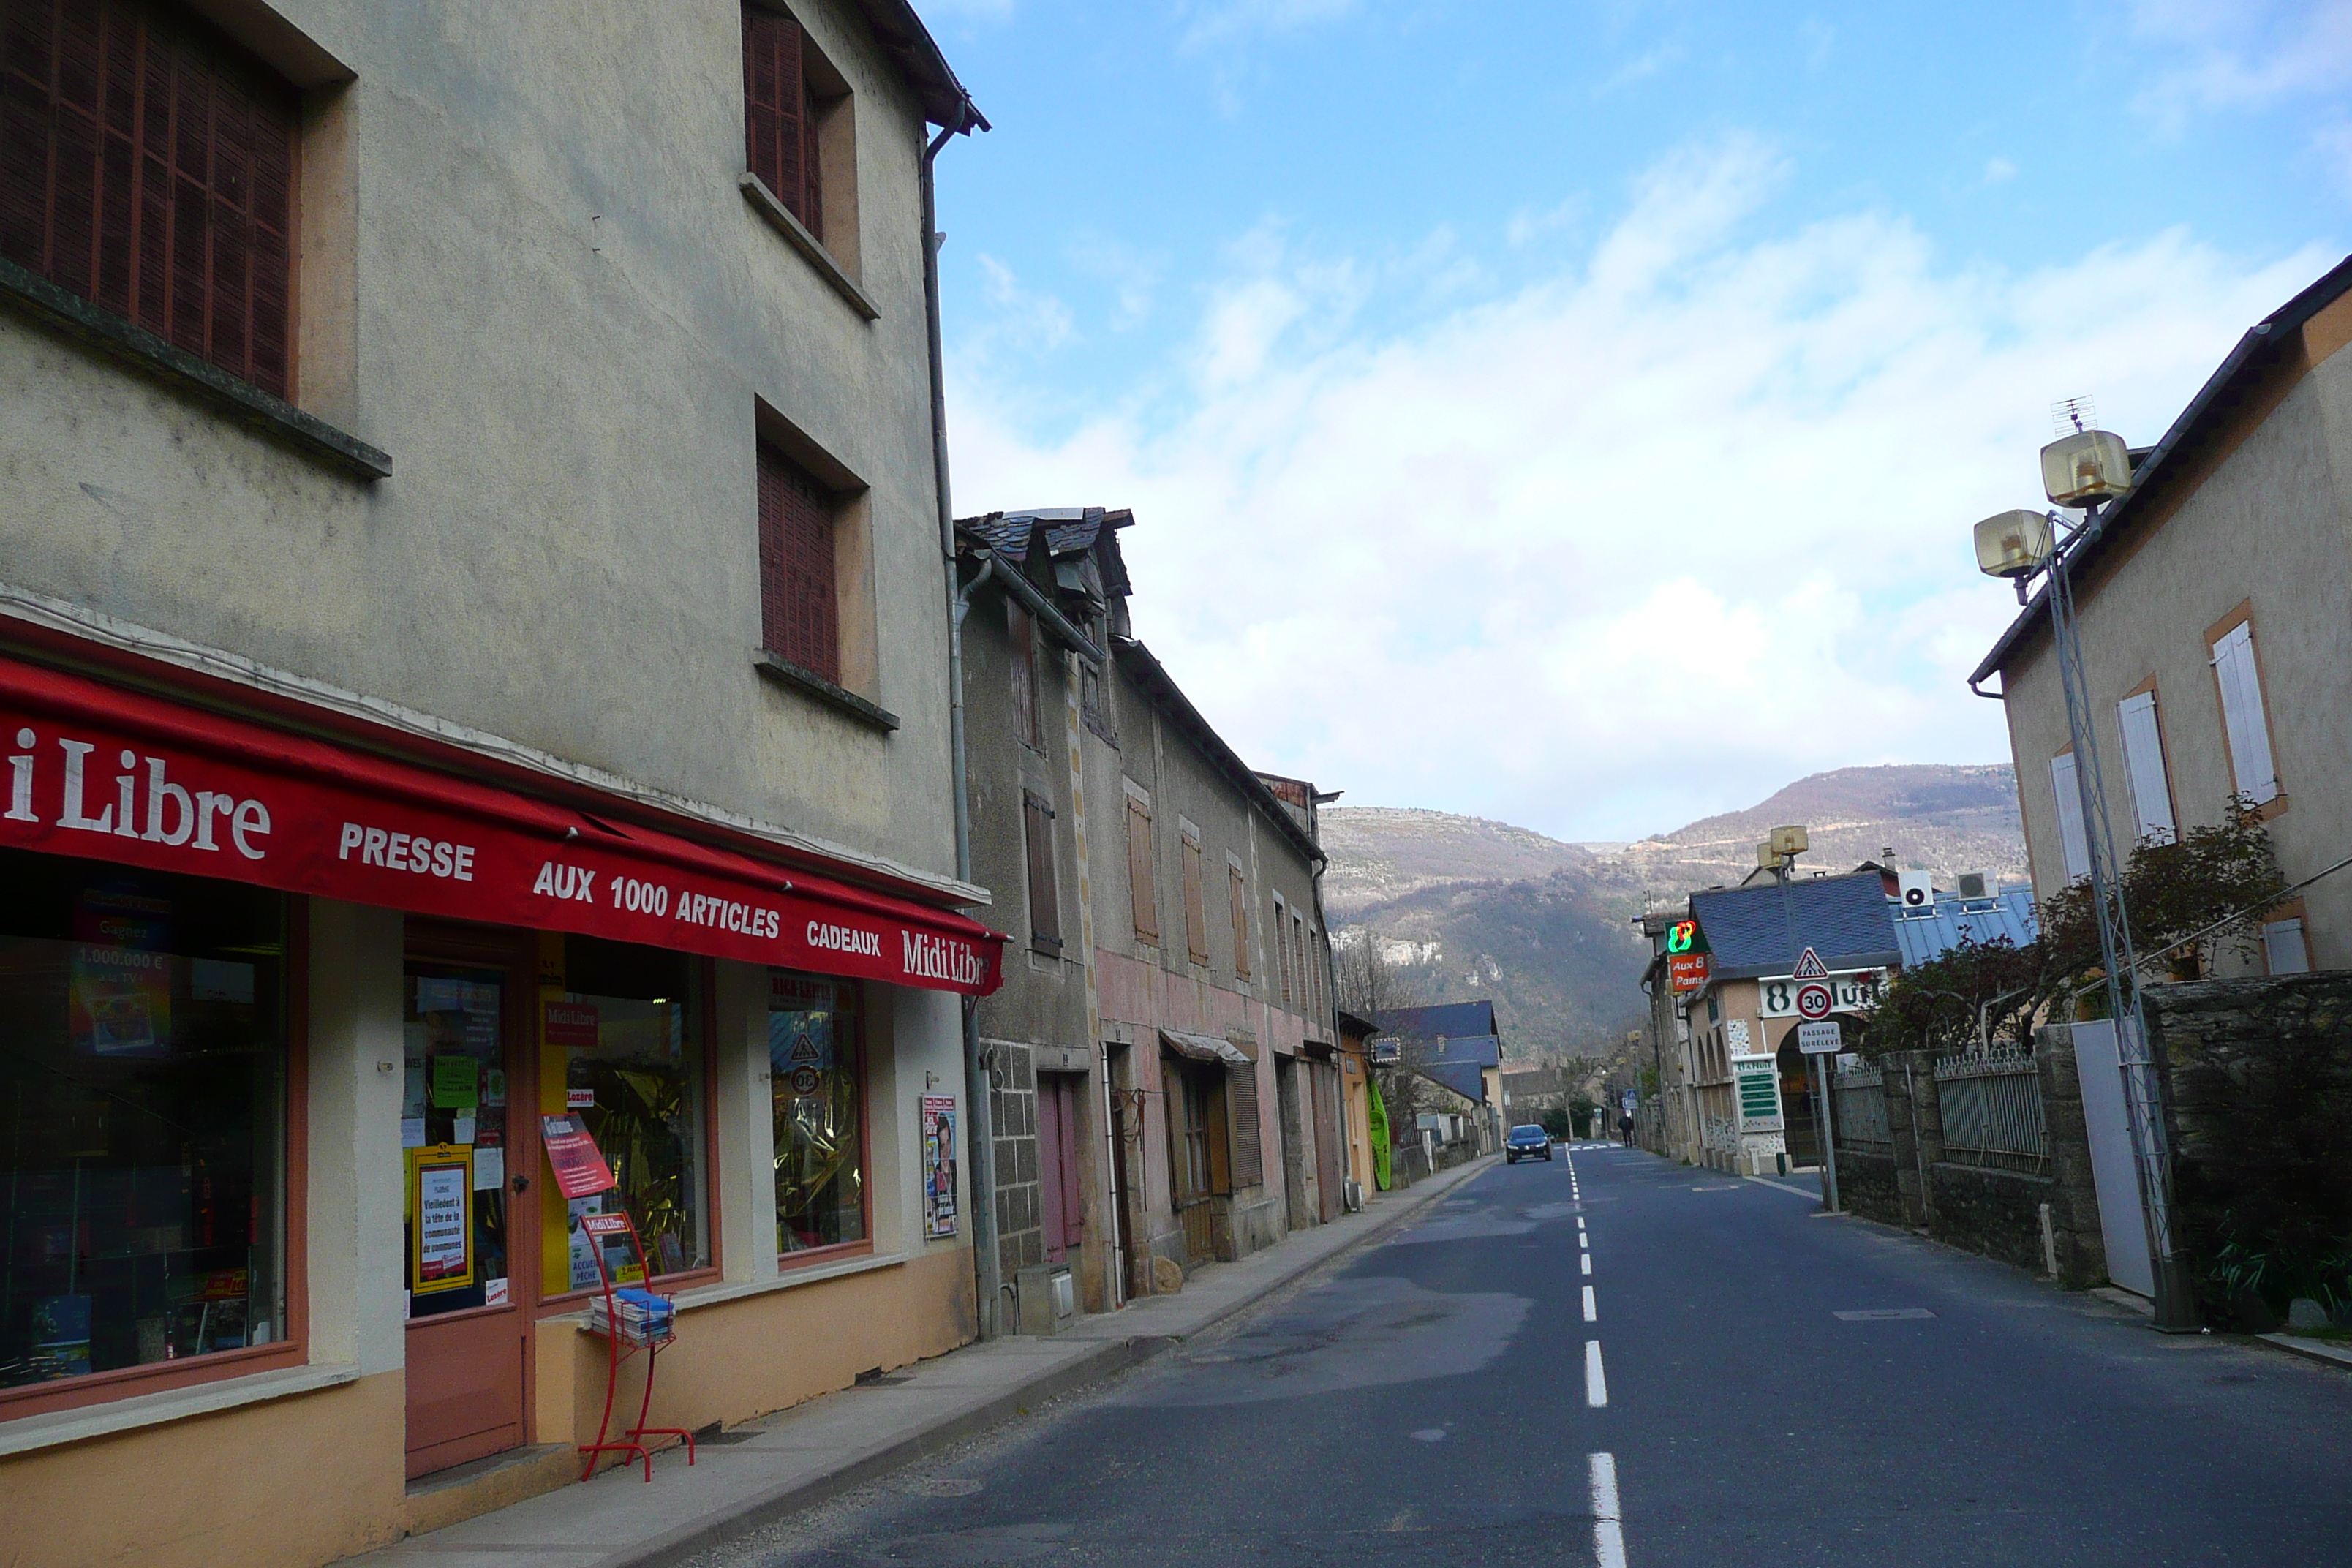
(775, 1465)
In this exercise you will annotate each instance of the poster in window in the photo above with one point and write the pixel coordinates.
(572, 1153)
(121, 1002)
(939, 1165)
(441, 1210)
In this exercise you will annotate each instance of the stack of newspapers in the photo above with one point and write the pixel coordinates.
(644, 1317)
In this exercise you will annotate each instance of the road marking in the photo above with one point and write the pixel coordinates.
(1591, 1312)
(1587, 1259)
(1881, 1314)
(1579, 1222)
(1596, 1382)
(1608, 1522)
(1584, 1240)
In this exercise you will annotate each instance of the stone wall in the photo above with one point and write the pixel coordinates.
(1995, 1213)
(2259, 1105)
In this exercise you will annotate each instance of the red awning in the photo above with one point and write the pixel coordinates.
(109, 774)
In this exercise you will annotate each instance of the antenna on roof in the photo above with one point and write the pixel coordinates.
(2074, 414)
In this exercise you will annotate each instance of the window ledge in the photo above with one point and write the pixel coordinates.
(808, 682)
(780, 217)
(60, 1426)
(101, 330)
(736, 1289)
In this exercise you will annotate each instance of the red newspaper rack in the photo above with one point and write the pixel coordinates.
(631, 1319)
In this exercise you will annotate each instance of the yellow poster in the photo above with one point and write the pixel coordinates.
(441, 1219)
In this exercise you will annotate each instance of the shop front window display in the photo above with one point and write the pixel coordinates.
(628, 1032)
(453, 1137)
(817, 1084)
(142, 1082)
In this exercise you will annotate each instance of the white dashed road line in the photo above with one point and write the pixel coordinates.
(1587, 1260)
(1591, 1310)
(1608, 1526)
(1596, 1381)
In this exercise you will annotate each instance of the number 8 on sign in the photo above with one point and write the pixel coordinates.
(1814, 1002)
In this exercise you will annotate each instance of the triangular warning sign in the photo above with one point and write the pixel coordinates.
(1810, 967)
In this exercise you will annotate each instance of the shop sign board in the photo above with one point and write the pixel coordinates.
(1819, 1039)
(1687, 971)
(104, 773)
(1758, 1082)
(938, 1122)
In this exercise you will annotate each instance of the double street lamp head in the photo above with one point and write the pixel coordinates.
(2083, 468)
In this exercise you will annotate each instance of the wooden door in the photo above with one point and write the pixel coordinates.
(1063, 1196)
(1323, 1087)
(468, 1276)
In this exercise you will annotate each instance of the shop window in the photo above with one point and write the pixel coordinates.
(624, 1038)
(799, 604)
(148, 166)
(816, 1076)
(143, 1120)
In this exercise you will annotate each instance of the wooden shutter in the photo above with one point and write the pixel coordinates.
(799, 610)
(1237, 890)
(1249, 1146)
(147, 166)
(1281, 950)
(775, 96)
(2144, 765)
(1044, 901)
(2242, 714)
(1142, 896)
(1021, 633)
(1196, 914)
(2073, 841)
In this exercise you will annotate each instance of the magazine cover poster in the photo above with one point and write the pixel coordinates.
(938, 1166)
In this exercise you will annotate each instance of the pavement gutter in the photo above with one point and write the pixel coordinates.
(856, 1466)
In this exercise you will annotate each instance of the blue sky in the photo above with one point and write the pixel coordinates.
(1574, 413)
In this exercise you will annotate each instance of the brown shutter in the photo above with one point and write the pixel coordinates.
(1249, 1154)
(146, 164)
(799, 611)
(775, 101)
(1237, 890)
(1021, 633)
(1142, 896)
(1196, 914)
(1045, 902)
(1282, 951)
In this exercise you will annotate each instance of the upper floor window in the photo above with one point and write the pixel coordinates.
(1021, 633)
(1237, 893)
(147, 166)
(779, 114)
(1045, 894)
(799, 606)
(1196, 912)
(1142, 890)
(2243, 717)
(2152, 792)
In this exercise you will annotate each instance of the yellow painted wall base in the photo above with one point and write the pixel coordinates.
(294, 1481)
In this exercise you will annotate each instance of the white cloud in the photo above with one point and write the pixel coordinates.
(1645, 539)
(2249, 54)
(1998, 171)
(1221, 21)
(1025, 321)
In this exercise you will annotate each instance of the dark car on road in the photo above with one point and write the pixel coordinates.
(1526, 1140)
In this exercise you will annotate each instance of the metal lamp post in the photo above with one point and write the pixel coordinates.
(2089, 468)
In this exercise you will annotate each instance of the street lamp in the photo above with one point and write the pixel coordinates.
(2090, 468)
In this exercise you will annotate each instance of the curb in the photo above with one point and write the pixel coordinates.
(1107, 1360)
(2310, 1350)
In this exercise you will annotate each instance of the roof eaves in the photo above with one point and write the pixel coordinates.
(917, 54)
(2262, 341)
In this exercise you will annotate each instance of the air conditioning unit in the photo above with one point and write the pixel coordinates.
(1975, 884)
(1915, 889)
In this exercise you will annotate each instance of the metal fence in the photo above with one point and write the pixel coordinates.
(1993, 1112)
(1861, 1093)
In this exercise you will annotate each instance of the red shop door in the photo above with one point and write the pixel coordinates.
(469, 1252)
(1058, 1099)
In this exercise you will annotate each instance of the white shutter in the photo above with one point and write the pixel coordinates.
(2282, 945)
(2072, 838)
(2143, 761)
(2242, 714)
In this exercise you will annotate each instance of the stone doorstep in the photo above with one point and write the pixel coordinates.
(2130, 1301)
(2311, 1349)
(674, 1528)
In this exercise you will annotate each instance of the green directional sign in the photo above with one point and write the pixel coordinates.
(1759, 1078)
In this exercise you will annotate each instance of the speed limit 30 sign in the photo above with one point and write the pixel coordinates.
(1816, 1001)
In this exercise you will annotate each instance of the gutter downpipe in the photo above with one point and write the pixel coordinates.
(987, 1271)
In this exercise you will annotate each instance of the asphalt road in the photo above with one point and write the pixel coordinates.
(1437, 1399)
